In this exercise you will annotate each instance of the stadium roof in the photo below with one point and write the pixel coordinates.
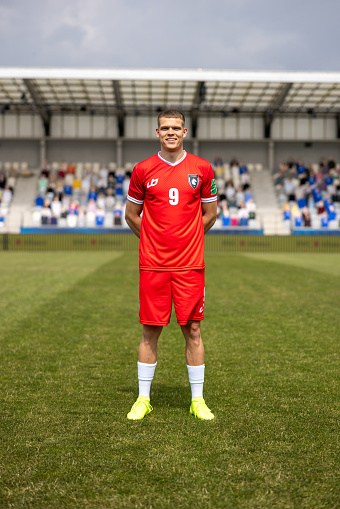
(137, 91)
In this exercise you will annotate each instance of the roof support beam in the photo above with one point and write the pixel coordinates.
(120, 108)
(274, 107)
(40, 105)
(199, 98)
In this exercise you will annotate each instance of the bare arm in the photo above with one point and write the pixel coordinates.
(209, 211)
(132, 216)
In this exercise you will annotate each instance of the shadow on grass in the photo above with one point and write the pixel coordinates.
(174, 396)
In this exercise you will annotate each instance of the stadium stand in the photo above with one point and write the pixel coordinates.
(309, 194)
(94, 195)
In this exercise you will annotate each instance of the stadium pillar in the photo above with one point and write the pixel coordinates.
(195, 147)
(271, 148)
(42, 152)
(120, 153)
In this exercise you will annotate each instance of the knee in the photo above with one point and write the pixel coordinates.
(194, 336)
(151, 334)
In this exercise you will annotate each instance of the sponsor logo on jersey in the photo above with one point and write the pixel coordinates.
(193, 181)
(153, 182)
(213, 186)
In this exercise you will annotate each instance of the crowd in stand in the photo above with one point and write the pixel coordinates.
(86, 195)
(236, 206)
(309, 194)
(81, 195)
(7, 187)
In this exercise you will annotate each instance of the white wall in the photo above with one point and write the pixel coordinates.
(81, 150)
(311, 154)
(232, 127)
(249, 152)
(83, 126)
(20, 125)
(18, 151)
(304, 128)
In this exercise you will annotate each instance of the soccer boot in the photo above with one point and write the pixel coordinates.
(140, 408)
(200, 410)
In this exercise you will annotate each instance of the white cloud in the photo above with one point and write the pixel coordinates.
(244, 34)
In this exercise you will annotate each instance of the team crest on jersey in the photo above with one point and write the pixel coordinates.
(193, 181)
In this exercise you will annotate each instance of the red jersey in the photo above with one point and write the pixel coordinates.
(172, 234)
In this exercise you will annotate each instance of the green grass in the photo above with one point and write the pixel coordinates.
(69, 335)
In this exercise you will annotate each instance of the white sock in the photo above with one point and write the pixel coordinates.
(196, 379)
(145, 376)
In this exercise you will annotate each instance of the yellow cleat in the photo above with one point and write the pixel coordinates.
(200, 410)
(140, 409)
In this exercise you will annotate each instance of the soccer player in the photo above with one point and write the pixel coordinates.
(176, 192)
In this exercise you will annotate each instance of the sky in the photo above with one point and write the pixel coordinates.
(187, 34)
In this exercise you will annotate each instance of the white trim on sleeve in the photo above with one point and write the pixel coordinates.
(139, 202)
(208, 200)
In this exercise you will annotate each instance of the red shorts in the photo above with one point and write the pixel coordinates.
(158, 289)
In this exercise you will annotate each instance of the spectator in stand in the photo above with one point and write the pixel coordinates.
(103, 172)
(62, 170)
(73, 206)
(111, 181)
(86, 184)
(93, 193)
(46, 213)
(234, 162)
(251, 206)
(245, 181)
(102, 184)
(59, 189)
(248, 195)
(101, 200)
(243, 215)
(290, 189)
(290, 163)
(218, 162)
(231, 195)
(239, 196)
(286, 211)
(117, 214)
(218, 167)
(6, 196)
(45, 170)
(300, 167)
(109, 201)
(225, 216)
(56, 206)
(91, 206)
(320, 206)
(307, 221)
(312, 178)
(42, 184)
(3, 180)
(331, 163)
(243, 168)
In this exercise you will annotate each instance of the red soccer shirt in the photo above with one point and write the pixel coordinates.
(172, 235)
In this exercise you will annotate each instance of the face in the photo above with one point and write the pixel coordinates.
(171, 133)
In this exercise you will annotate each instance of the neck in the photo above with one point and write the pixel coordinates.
(172, 157)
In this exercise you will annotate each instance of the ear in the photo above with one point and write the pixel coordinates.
(157, 132)
(185, 132)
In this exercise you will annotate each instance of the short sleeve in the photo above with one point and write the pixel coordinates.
(208, 189)
(136, 188)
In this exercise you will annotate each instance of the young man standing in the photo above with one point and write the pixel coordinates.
(176, 192)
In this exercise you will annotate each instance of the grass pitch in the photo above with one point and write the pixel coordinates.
(69, 335)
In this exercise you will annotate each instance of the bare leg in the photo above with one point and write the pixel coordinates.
(147, 352)
(194, 349)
